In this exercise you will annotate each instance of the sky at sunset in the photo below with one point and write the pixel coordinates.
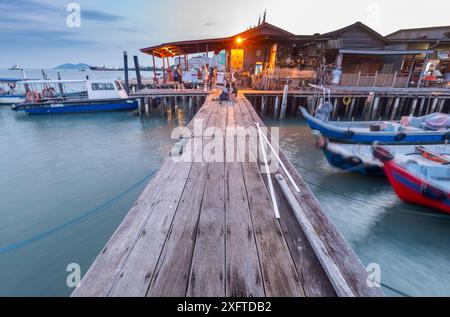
(35, 33)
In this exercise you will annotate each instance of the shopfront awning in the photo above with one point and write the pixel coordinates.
(385, 52)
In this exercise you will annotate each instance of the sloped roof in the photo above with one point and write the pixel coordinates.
(339, 32)
(428, 34)
(265, 30)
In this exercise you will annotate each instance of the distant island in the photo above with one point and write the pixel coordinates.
(82, 66)
(70, 66)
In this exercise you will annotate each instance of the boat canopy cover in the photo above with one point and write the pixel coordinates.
(72, 81)
(434, 121)
(10, 80)
(323, 111)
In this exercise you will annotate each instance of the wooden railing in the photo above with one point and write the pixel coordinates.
(375, 80)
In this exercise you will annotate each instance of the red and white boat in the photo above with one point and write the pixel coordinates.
(423, 179)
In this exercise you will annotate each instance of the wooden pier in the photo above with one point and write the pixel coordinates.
(208, 229)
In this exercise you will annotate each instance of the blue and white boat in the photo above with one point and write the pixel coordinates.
(367, 132)
(358, 158)
(10, 92)
(74, 96)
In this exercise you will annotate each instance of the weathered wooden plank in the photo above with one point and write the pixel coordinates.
(172, 271)
(134, 275)
(243, 274)
(334, 274)
(312, 275)
(207, 276)
(344, 257)
(99, 277)
(279, 273)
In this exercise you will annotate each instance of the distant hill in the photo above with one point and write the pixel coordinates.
(70, 66)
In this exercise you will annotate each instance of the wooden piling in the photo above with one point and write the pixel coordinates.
(276, 107)
(394, 110)
(284, 102)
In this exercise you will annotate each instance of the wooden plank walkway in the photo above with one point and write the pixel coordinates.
(204, 228)
(153, 93)
(341, 91)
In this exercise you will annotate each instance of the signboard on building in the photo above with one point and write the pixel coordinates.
(237, 60)
(443, 55)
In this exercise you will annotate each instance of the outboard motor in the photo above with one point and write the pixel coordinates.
(324, 111)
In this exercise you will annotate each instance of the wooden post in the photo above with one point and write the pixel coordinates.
(375, 107)
(276, 107)
(173, 105)
(433, 107)
(169, 70)
(154, 68)
(284, 102)
(263, 105)
(394, 110)
(389, 105)
(352, 108)
(411, 69)
(394, 80)
(422, 104)
(335, 108)
(359, 79)
(138, 73)
(414, 106)
(375, 79)
(441, 105)
(125, 70)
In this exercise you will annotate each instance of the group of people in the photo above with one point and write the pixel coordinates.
(231, 88)
(209, 76)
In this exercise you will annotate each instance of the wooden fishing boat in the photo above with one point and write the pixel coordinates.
(367, 132)
(358, 158)
(75, 96)
(419, 180)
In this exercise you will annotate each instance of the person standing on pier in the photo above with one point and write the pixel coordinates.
(213, 78)
(205, 71)
(179, 73)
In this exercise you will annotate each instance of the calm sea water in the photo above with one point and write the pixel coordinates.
(56, 168)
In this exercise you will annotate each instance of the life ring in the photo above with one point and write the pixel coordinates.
(32, 96)
(400, 137)
(48, 93)
(347, 100)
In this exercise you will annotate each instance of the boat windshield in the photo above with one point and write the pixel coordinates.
(56, 89)
(9, 87)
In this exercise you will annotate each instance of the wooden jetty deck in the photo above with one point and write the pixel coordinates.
(209, 229)
(341, 91)
(153, 93)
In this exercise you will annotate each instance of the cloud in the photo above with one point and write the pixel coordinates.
(43, 38)
(100, 16)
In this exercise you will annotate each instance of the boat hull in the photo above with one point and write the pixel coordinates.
(11, 99)
(78, 107)
(415, 190)
(347, 135)
(353, 164)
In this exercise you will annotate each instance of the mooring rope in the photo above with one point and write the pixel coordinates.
(75, 221)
